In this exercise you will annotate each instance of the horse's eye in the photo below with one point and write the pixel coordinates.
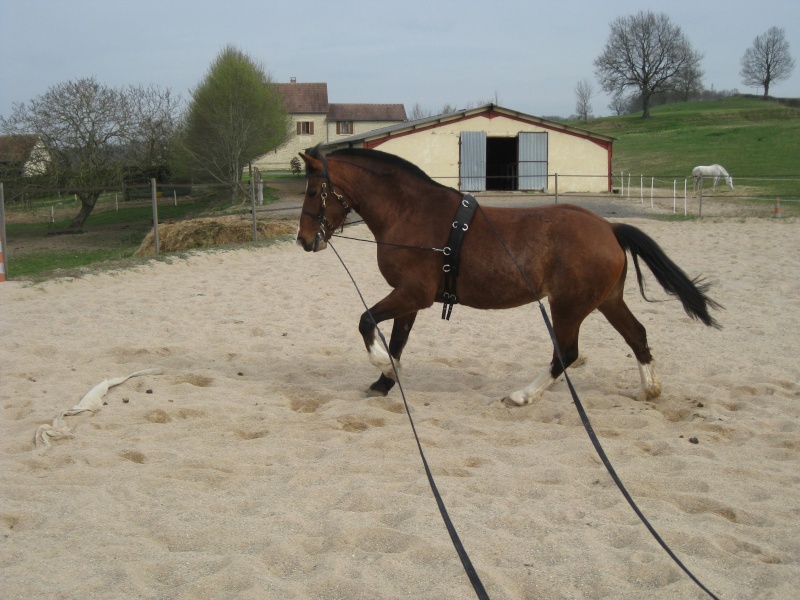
(311, 193)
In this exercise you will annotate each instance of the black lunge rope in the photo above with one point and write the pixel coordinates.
(465, 561)
(587, 424)
(477, 585)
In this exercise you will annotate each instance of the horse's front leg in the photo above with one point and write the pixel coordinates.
(403, 309)
(377, 353)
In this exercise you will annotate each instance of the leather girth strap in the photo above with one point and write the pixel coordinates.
(452, 252)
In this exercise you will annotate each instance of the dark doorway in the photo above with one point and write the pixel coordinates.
(501, 163)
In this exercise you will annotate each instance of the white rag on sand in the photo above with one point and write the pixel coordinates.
(91, 402)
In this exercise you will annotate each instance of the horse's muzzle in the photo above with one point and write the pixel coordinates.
(317, 244)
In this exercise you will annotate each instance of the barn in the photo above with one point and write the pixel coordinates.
(495, 148)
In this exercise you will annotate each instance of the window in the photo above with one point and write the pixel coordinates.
(344, 127)
(305, 128)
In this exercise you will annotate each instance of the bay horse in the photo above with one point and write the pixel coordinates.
(716, 171)
(568, 254)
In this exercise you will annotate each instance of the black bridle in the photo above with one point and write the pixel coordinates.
(326, 228)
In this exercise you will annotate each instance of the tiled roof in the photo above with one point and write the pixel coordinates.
(16, 148)
(367, 112)
(437, 120)
(304, 97)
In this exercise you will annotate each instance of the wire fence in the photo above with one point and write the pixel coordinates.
(32, 212)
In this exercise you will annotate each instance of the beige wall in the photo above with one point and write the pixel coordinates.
(436, 151)
(358, 127)
(37, 162)
(323, 132)
(279, 159)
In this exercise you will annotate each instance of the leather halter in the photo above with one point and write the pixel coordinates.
(326, 226)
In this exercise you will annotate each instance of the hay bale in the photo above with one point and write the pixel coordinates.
(207, 233)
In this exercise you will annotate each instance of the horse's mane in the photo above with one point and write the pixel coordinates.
(383, 157)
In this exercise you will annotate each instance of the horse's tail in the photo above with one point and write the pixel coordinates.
(691, 292)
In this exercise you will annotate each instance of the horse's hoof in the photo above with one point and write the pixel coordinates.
(380, 387)
(508, 401)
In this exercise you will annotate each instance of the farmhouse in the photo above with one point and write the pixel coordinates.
(315, 120)
(495, 148)
(22, 156)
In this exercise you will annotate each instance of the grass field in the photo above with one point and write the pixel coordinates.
(757, 141)
(118, 227)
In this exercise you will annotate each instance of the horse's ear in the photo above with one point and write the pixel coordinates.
(313, 164)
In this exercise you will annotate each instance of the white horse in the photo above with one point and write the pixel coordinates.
(715, 171)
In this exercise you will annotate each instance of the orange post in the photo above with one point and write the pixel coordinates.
(777, 214)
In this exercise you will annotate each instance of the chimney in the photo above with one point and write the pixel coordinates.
(293, 80)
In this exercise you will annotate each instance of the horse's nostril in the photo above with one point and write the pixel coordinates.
(303, 244)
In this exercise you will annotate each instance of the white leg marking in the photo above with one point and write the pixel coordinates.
(380, 358)
(532, 392)
(651, 386)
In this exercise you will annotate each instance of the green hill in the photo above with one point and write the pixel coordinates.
(757, 141)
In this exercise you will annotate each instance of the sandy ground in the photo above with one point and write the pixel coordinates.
(254, 467)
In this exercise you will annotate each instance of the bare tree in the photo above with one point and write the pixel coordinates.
(583, 99)
(645, 52)
(417, 112)
(619, 103)
(94, 134)
(154, 121)
(83, 125)
(767, 61)
(689, 80)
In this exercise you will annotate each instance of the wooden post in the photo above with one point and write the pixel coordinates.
(3, 269)
(674, 196)
(253, 207)
(652, 185)
(154, 193)
(700, 198)
(684, 197)
(556, 178)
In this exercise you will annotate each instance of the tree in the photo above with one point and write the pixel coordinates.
(689, 80)
(235, 115)
(89, 132)
(417, 112)
(645, 52)
(583, 97)
(154, 122)
(619, 103)
(767, 61)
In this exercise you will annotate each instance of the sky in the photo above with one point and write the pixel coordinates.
(522, 54)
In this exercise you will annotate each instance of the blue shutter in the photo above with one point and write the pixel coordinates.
(473, 161)
(532, 154)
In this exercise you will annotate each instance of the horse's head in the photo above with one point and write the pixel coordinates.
(324, 209)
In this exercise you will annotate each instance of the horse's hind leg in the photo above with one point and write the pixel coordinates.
(566, 326)
(621, 318)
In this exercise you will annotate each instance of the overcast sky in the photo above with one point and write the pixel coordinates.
(528, 55)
